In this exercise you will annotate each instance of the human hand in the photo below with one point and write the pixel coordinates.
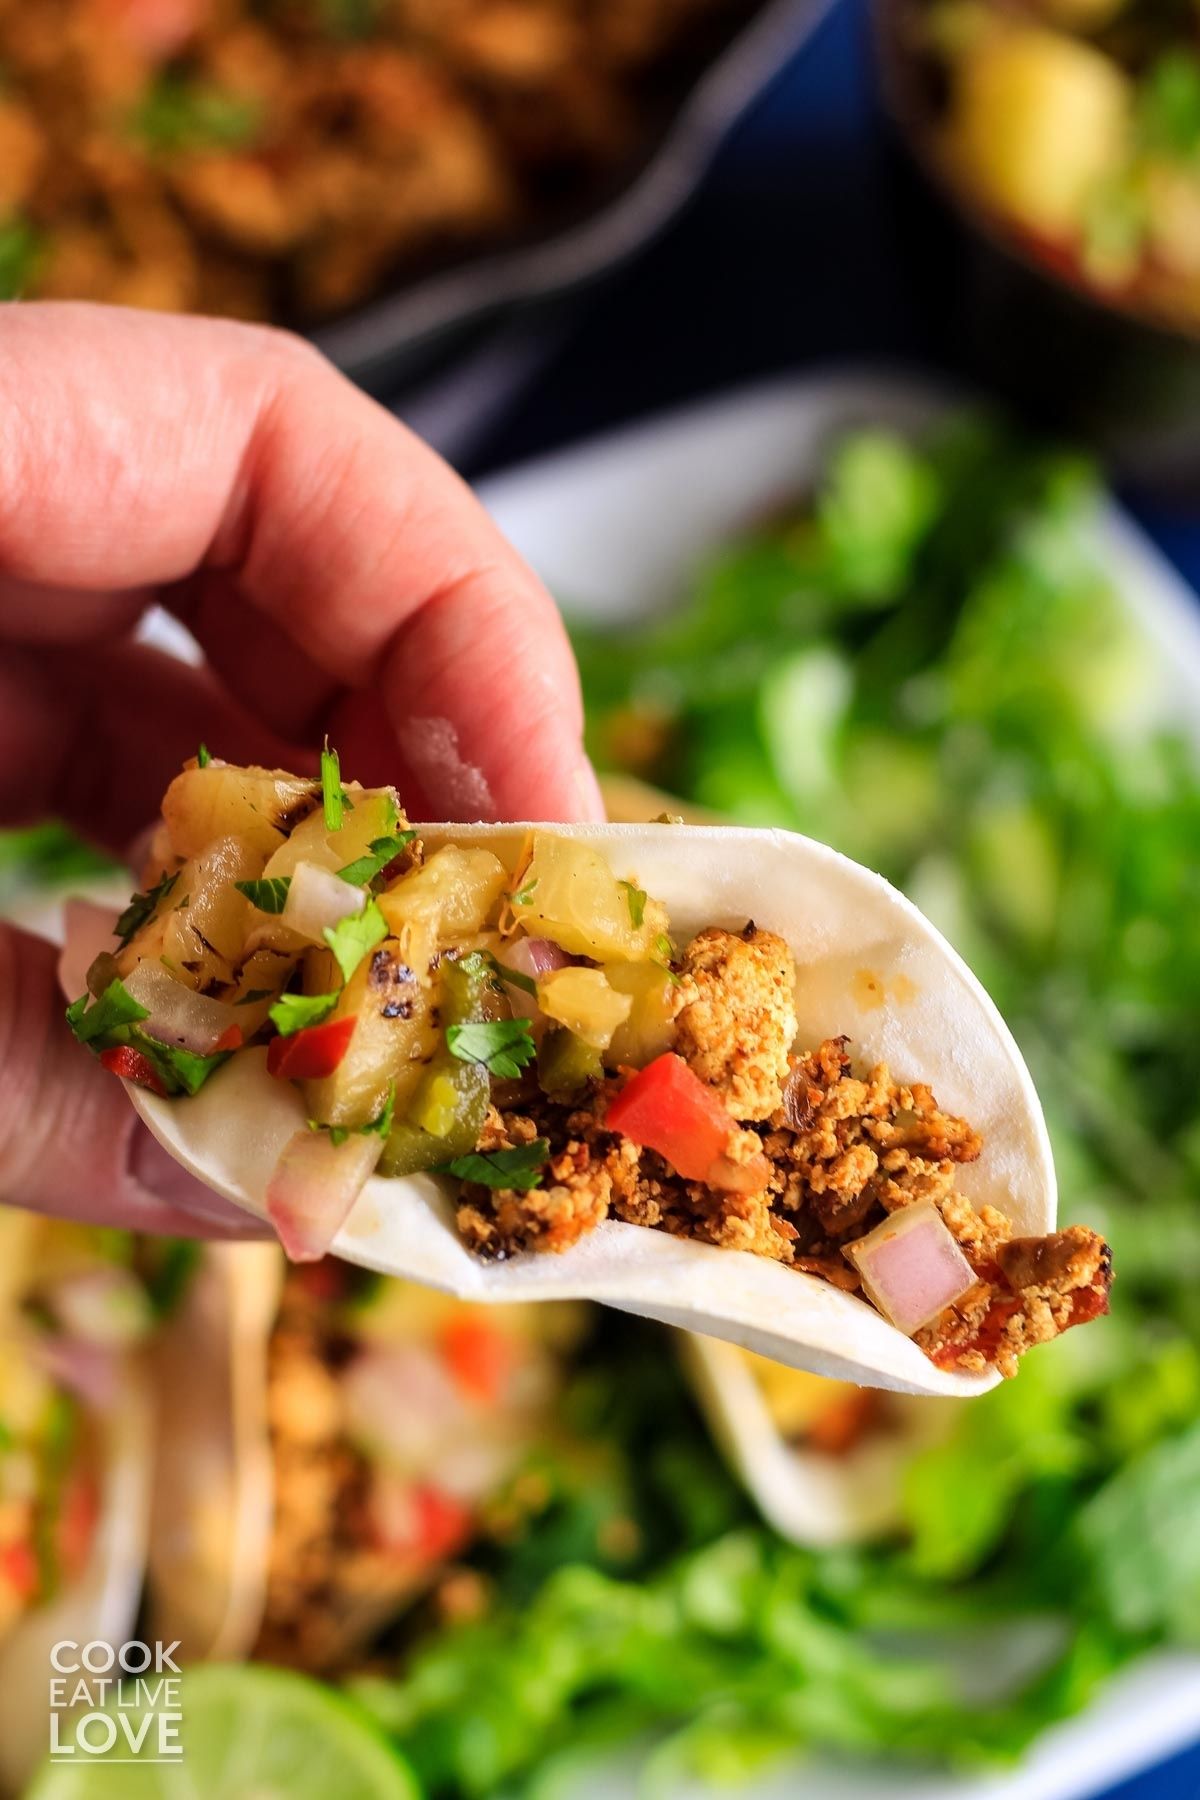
(339, 579)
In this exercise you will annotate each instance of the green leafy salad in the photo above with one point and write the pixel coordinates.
(927, 667)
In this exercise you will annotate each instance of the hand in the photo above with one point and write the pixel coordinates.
(338, 578)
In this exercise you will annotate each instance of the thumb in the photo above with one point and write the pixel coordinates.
(70, 1143)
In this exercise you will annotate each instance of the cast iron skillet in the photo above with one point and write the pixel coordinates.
(399, 336)
(1121, 382)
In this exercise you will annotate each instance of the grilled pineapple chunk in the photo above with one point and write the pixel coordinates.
(260, 806)
(569, 894)
(374, 814)
(394, 1040)
(200, 926)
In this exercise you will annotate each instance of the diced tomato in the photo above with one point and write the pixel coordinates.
(666, 1107)
(310, 1054)
(77, 1523)
(159, 29)
(19, 1569)
(131, 1065)
(479, 1356)
(230, 1039)
(442, 1523)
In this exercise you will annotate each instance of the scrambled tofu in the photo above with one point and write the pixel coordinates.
(843, 1151)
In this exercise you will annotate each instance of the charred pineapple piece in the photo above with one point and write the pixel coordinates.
(260, 806)
(394, 1039)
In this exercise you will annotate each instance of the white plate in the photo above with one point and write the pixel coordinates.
(614, 527)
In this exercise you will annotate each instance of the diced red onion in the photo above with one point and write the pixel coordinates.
(911, 1266)
(314, 1186)
(105, 1306)
(533, 957)
(318, 900)
(178, 1014)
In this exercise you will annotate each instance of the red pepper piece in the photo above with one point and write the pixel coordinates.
(666, 1107)
(442, 1524)
(19, 1569)
(230, 1039)
(479, 1356)
(131, 1065)
(312, 1053)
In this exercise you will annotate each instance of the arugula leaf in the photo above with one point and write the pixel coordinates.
(114, 1011)
(636, 897)
(269, 895)
(524, 895)
(382, 851)
(203, 757)
(351, 940)
(501, 1046)
(142, 907)
(296, 1012)
(331, 788)
(519, 1168)
(514, 976)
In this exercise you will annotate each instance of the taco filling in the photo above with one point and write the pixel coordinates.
(534, 1033)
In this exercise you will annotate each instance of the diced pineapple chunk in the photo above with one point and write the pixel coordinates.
(569, 894)
(200, 928)
(583, 1001)
(393, 1041)
(1039, 120)
(259, 806)
(649, 1029)
(445, 902)
(374, 815)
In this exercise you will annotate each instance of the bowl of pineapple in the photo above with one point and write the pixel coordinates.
(1055, 147)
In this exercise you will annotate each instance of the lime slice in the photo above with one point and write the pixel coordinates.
(248, 1733)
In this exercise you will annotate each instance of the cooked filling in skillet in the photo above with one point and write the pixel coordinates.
(534, 1033)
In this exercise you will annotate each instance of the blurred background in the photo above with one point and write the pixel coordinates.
(909, 627)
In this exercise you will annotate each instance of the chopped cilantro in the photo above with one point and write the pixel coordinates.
(19, 248)
(1168, 107)
(203, 757)
(381, 1125)
(515, 978)
(331, 788)
(382, 851)
(501, 1046)
(636, 897)
(351, 940)
(296, 1012)
(176, 115)
(254, 996)
(520, 1168)
(142, 907)
(115, 1010)
(178, 1069)
(524, 895)
(269, 895)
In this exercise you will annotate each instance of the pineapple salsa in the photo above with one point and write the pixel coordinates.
(532, 1032)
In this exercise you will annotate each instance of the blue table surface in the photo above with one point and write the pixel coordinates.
(789, 256)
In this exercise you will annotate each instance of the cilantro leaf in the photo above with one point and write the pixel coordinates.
(520, 1168)
(351, 940)
(515, 978)
(115, 1010)
(382, 851)
(142, 907)
(269, 895)
(254, 996)
(636, 897)
(296, 1012)
(524, 895)
(381, 1125)
(502, 1046)
(331, 788)
(203, 757)
(180, 1070)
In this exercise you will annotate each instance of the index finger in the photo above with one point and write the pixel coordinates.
(142, 451)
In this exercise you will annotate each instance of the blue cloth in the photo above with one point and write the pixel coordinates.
(791, 254)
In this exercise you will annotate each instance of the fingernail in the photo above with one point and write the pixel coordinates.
(169, 1185)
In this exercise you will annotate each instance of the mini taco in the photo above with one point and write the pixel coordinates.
(732, 1079)
(75, 1462)
(338, 1442)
